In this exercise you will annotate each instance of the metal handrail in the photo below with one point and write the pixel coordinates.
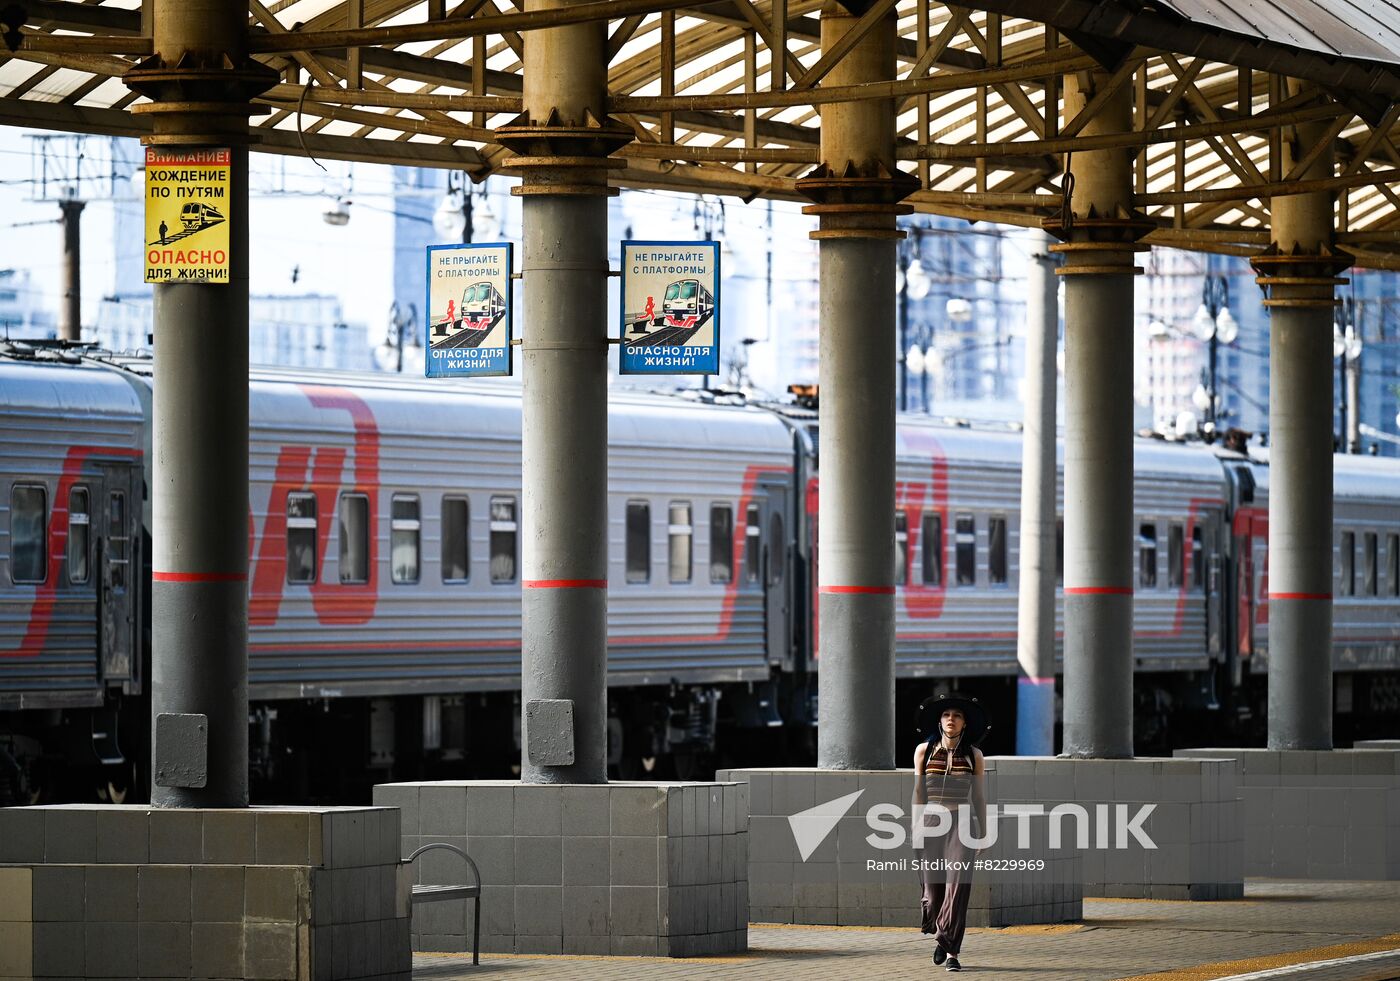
(476, 900)
(476, 873)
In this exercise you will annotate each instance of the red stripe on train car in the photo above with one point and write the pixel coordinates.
(731, 592)
(348, 603)
(925, 601)
(36, 630)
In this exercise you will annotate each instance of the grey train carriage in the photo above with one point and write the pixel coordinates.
(384, 579)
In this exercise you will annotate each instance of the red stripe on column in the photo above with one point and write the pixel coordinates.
(1099, 590)
(876, 590)
(565, 584)
(1300, 596)
(200, 576)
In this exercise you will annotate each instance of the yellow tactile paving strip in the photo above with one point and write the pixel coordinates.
(1225, 969)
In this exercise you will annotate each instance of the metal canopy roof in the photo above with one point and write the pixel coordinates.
(424, 82)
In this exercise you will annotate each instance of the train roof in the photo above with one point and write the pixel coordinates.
(445, 408)
(1354, 477)
(999, 444)
(55, 387)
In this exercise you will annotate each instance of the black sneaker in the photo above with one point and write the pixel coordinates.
(939, 954)
(953, 964)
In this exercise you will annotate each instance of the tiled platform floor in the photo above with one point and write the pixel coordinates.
(1277, 924)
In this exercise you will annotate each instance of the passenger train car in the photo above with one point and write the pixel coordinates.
(384, 601)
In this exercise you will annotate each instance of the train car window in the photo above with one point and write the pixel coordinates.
(354, 538)
(1059, 551)
(721, 543)
(778, 543)
(1368, 563)
(504, 531)
(965, 539)
(753, 543)
(78, 537)
(29, 560)
(901, 547)
(301, 538)
(932, 534)
(1198, 560)
(681, 537)
(1392, 556)
(405, 529)
(996, 550)
(1176, 556)
(1147, 556)
(1347, 586)
(638, 545)
(116, 538)
(456, 539)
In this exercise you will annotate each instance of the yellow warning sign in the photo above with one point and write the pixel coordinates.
(187, 208)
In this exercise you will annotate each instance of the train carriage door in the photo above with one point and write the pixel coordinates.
(114, 521)
(1247, 526)
(777, 578)
(1207, 570)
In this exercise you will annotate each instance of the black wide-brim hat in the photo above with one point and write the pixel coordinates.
(931, 711)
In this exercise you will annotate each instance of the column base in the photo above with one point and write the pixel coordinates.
(1376, 744)
(1319, 814)
(827, 877)
(655, 869)
(301, 893)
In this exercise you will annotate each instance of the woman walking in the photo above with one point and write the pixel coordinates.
(949, 773)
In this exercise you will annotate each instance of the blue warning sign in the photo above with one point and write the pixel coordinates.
(469, 310)
(670, 308)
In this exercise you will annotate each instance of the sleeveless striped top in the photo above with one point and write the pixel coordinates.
(948, 777)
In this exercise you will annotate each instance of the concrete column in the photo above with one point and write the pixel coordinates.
(857, 188)
(564, 138)
(199, 593)
(1035, 622)
(1300, 455)
(1098, 660)
(855, 724)
(70, 322)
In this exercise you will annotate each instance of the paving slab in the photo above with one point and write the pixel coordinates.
(1296, 931)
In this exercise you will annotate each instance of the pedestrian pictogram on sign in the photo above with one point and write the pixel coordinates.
(187, 207)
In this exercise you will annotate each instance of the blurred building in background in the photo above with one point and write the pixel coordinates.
(960, 290)
(23, 310)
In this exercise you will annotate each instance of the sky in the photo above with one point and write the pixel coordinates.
(288, 198)
(354, 262)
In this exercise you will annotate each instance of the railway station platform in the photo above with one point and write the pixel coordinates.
(1281, 929)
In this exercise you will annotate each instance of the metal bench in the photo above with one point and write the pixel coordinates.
(439, 894)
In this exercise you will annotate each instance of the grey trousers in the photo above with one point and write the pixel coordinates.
(946, 891)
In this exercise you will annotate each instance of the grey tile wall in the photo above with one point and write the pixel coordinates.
(625, 868)
(833, 885)
(1196, 822)
(1318, 814)
(183, 894)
